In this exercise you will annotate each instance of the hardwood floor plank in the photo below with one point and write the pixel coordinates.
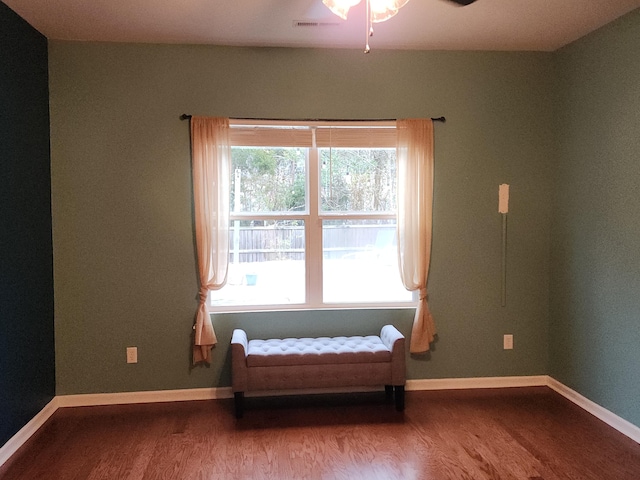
(501, 434)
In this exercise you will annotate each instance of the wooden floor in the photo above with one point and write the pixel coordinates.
(524, 433)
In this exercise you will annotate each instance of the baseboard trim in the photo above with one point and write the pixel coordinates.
(608, 417)
(154, 396)
(477, 382)
(95, 399)
(26, 432)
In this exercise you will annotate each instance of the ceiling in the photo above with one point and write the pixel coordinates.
(542, 25)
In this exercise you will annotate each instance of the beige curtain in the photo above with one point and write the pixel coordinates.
(211, 164)
(415, 202)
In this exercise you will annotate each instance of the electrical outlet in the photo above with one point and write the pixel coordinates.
(508, 342)
(132, 354)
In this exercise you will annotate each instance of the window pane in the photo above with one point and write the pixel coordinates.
(360, 262)
(358, 180)
(268, 180)
(267, 264)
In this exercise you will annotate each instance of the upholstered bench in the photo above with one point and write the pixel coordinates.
(324, 362)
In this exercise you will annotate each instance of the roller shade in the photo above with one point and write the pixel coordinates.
(306, 135)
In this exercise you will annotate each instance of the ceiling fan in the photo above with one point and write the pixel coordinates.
(376, 11)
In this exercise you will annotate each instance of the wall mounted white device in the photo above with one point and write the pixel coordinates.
(503, 208)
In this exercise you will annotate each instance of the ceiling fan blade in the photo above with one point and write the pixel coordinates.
(462, 3)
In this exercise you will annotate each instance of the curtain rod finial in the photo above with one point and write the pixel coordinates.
(184, 116)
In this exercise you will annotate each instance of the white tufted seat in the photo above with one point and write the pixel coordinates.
(317, 351)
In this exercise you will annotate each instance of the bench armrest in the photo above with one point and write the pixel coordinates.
(239, 349)
(394, 340)
(239, 338)
(389, 335)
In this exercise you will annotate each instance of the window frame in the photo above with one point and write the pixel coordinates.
(313, 135)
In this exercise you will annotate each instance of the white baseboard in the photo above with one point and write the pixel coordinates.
(94, 399)
(156, 396)
(120, 398)
(476, 382)
(26, 432)
(608, 417)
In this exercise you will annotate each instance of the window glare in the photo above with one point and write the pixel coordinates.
(266, 264)
(360, 262)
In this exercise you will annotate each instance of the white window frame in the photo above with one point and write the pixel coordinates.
(313, 135)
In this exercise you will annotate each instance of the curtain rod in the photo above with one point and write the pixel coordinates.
(185, 116)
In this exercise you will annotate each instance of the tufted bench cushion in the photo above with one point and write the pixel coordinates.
(317, 351)
(323, 362)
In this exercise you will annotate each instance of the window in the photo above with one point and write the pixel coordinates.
(312, 217)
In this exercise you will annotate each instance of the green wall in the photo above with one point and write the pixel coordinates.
(595, 283)
(122, 214)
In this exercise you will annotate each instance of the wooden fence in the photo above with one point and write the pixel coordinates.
(261, 244)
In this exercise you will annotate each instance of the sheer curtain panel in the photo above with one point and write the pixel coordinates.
(415, 205)
(211, 166)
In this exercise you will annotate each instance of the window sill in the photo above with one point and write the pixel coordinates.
(305, 308)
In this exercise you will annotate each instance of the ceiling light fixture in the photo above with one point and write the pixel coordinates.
(376, 11)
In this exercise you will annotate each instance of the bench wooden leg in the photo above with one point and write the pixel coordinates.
(399, 394)
(239, 403)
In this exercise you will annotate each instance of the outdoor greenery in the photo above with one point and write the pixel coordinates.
(358, 180)
(272, 180)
